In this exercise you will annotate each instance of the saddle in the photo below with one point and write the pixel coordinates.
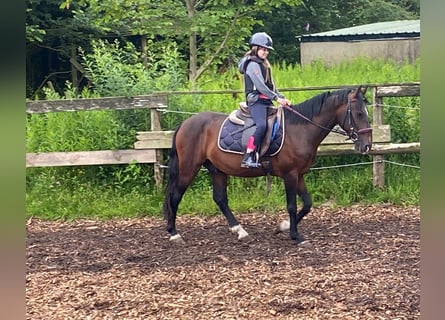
(239, 126)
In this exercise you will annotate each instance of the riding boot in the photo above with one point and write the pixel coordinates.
(249, 160)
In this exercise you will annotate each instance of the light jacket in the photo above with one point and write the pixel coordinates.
(255, 83)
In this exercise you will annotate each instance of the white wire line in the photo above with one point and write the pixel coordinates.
(339, 166)
(401, 164)
(365, 163)
(175, 111)
(165, 110)
(377, 104)
(345, 165)
(389, 106)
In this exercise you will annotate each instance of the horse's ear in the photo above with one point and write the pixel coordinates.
(363, 89)
(355, 92)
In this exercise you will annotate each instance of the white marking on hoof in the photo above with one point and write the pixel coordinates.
(284, 225)
(240, 230)
(177, 238)
(305, 244)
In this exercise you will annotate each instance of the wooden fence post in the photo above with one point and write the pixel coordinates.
(378, 167)
(156, 126)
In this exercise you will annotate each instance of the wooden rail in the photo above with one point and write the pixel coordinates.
(82, 158)
(149, 144)
(333, 144)
(110, 103)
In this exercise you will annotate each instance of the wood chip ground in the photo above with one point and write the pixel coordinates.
(363, 264)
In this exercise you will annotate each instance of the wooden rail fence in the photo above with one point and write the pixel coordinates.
(149, 144)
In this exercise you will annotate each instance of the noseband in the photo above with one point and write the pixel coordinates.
(353, 133)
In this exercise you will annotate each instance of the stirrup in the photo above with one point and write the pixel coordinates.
(249, 162)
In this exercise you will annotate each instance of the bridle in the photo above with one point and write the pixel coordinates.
(353, 133)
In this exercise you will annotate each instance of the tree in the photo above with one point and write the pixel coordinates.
(208, 31)
(209, 34)
(314, 16)
(52, 36)
(370, 11)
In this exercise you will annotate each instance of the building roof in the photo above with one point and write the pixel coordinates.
(373, 31)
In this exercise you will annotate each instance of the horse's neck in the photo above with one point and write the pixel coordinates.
(327, 121)
(315, 130)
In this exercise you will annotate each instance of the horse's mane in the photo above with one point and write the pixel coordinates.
(313, 106)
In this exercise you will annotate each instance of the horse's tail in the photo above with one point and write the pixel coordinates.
(173, 174)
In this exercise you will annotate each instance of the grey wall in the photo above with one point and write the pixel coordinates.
(334, 52)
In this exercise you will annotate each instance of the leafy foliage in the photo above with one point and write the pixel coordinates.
(207, 30)
(116, 70)
(209, 35)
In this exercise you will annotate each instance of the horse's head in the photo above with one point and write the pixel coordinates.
(354, 119)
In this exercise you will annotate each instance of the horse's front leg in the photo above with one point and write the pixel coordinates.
(219, 181)
(296, 186)
(307, 205)
(290, 184)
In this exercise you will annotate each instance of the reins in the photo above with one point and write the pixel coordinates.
(312, 122)
(353, 135)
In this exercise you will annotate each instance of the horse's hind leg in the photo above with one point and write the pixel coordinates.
(177, 185)
(219, 181)
(174, 197)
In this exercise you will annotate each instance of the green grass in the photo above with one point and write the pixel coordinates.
(87, 202)
(340, 187)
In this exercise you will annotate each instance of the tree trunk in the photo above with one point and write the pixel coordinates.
(144, 51)
(193, 51)
(193, 59)
(74, 72)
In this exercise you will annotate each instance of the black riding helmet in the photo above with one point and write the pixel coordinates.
(261, 39)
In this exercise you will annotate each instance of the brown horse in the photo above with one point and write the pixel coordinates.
(306, 124)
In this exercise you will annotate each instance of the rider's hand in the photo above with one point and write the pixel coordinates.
(283, 101)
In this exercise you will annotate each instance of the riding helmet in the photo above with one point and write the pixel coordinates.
(261, 39)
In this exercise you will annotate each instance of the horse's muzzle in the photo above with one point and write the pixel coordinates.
(366, 149)
(363, 141)
(362, 146)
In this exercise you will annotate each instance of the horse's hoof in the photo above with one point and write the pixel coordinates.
(305, 244)
(177, 239)
(240, 230)
(244, 237)
(284, 226)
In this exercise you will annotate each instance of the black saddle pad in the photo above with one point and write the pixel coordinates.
(230, 138)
